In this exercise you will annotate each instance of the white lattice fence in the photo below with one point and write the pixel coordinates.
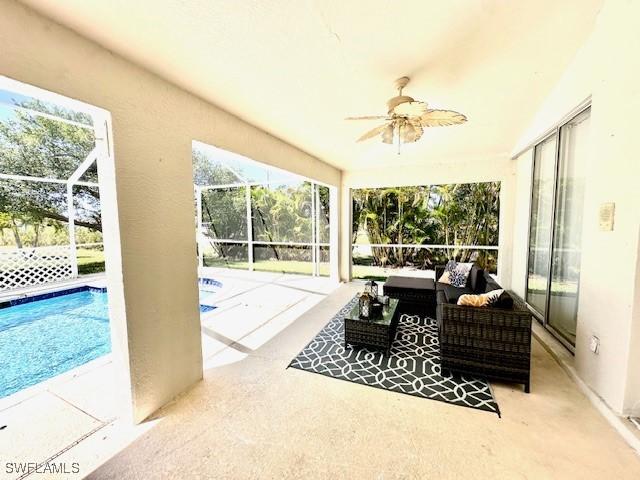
(24, 267)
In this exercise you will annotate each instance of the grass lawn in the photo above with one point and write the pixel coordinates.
(539, 284)
(370, 272)
(284, 266)
(90, 261)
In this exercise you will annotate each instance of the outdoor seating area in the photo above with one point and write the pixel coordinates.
(327, 239)
(491, 341)
(487, 341)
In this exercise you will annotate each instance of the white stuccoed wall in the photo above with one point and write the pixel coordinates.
(156, 323)
(608, 69)
(345, 234)
(481, 169)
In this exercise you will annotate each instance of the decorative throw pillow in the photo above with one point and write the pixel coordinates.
(444, 278)
(458, 277)
(493, 296)
(482, 300)
(470, 300)
(448, 268)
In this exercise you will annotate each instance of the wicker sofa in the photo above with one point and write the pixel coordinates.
(493, 342)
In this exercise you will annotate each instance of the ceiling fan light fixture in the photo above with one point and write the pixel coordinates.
(387, 133)
(409, 133)
(407, 118)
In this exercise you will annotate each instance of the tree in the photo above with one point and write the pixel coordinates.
(279, 213)
(208, 172)
(38, 146)
(456, 214)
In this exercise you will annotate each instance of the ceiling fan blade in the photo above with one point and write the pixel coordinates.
(411, 132)
(419, 130)
(387, 133)
(441, 118)
(369, 117)
(372, 133)
(410, 109)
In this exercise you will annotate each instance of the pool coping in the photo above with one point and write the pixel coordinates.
(43, 296)
(98, 280)
(83, 286)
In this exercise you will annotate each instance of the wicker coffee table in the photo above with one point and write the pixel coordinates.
(377, 333)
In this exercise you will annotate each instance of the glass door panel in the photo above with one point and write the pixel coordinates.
(541, 221)
(567, 233)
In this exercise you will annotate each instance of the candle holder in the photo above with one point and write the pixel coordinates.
(365, 303)
(371, 287)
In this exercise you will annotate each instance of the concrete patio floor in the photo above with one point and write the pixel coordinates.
(253, 418)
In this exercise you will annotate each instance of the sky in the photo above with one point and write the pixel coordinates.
(8, 98)
(252, 170)
(11, 98)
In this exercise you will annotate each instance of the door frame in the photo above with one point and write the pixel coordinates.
(543, 318)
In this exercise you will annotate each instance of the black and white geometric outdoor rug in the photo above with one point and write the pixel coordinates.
(412, 368)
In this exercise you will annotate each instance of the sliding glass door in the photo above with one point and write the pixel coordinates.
(567, 231)
(541, 220)
(556, 227)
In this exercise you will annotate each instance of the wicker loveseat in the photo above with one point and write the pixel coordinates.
(492, 342)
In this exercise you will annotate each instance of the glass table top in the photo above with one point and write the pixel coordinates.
(388, 311)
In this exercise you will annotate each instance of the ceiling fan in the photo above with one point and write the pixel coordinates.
(406, 118)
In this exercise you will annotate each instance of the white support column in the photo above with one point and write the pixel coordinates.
(153, 306)
(71, 225)
(334, 224)
(345, 233)
(198, 192)
(113, 266)
(247, 197)
(314, 239)
(317, 221)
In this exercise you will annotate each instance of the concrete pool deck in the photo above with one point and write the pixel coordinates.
(73, 417)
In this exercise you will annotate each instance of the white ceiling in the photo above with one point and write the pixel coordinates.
(296, 68)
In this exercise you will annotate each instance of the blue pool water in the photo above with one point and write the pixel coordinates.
(41, 339)
(44, 338)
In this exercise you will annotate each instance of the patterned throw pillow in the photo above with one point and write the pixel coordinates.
(446, 276)
(482, 300)
(493, 296)
(458, 277)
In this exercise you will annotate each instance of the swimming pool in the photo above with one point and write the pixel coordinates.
(44, 337)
